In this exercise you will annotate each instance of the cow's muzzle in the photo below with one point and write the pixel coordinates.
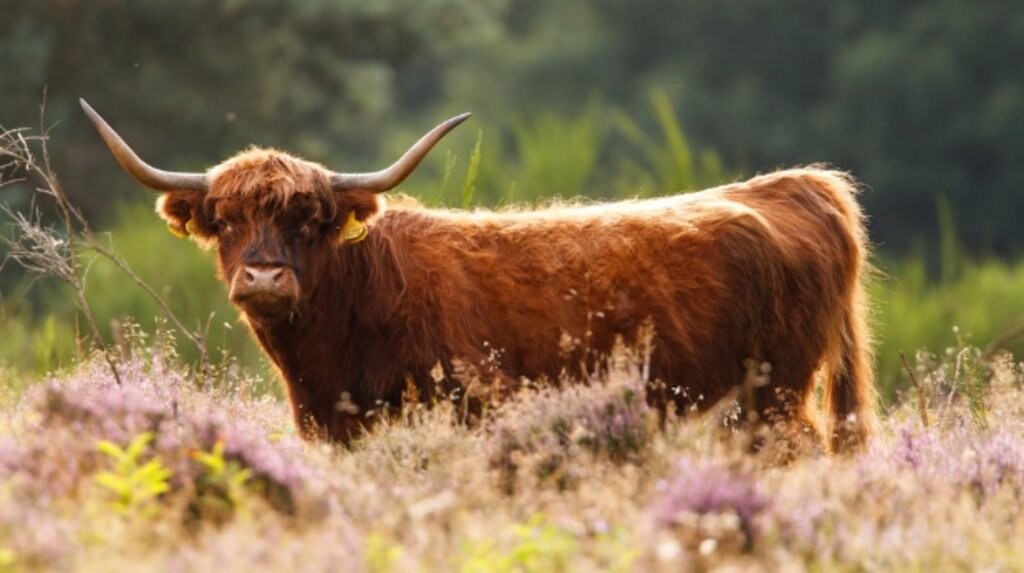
(265, 292)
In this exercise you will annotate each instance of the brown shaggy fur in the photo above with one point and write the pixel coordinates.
(770, 269)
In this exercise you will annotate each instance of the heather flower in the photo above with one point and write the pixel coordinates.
(66, 419)
(963, 456)
(547, 430)
(35, 536)
(945, 494)
(912, 446)
(708, 499)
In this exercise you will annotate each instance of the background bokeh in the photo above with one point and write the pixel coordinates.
(923, 101)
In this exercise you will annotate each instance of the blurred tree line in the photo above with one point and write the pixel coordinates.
(920, 99)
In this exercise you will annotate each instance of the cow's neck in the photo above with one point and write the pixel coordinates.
(320, 351)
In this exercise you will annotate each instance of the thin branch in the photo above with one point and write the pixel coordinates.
(921, 406)
(46, 252)
(41, 251)
(1000, 341)
(196, 337)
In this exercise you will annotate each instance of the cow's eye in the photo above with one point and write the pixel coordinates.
(307, 230)
(222, 227)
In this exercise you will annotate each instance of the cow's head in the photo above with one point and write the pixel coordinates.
(272, 217)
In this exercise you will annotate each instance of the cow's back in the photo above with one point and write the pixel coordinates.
(723, 275)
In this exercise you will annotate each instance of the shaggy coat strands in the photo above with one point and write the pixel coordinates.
(771, 269)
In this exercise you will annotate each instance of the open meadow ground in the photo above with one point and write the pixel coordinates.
(161, 474)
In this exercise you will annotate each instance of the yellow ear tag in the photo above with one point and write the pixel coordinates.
(354, 230)
(180, 233)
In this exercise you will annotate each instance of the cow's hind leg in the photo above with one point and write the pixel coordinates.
(850, 390)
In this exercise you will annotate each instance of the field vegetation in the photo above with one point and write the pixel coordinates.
(142, 429)
(178, 464)
(161, 473)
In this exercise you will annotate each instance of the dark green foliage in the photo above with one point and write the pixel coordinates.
(916, 98)
(191, 82)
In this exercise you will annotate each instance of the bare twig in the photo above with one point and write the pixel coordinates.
(196, 337)
(49, 252)
(921, 405)
(1000, 341)
(42, 251)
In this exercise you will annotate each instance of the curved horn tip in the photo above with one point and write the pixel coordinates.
(86, 107)
(89, 111)
(144, 173)
(460, 118)
(92, 114)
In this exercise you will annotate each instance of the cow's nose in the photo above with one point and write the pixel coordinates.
(262, 278)
(262, 284)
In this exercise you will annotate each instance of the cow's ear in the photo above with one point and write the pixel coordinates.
(355, 211)
(180, 209)
(364, 204)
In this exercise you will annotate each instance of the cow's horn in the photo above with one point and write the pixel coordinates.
(143, 172)
(380, 181)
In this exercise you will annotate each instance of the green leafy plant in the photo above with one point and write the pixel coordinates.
(380, 554)
(966, 374)
(558, 155)
(668, 163)
(221, 486)
(469, 186)
(133, 483)
(538, 546)
(8, 561)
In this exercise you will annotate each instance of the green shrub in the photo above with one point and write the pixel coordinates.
(134, 484)
(183, 274)
(974, 307)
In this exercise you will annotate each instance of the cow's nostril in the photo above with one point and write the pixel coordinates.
(263, 277)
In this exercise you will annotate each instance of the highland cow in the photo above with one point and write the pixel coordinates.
(354, 302)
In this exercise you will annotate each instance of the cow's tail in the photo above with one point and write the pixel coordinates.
(849, 388)
(850, 394)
